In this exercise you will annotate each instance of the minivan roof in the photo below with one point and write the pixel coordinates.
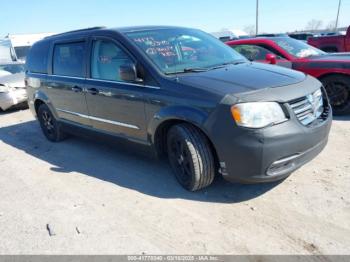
(116, 29)
(143, 28)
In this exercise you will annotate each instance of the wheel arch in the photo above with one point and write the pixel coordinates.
(330, 74)
(37, 103)
(41, 98)
(169, 117)
(344, 108)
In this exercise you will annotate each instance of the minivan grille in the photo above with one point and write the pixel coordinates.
(309, 108)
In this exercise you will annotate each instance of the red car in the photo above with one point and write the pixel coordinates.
(332, 43)
(333, 70)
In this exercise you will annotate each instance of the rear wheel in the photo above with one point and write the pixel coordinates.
(338, 90)
(190, 157)
(49, 124)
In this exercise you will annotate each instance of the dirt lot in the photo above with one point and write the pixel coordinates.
(109, 199)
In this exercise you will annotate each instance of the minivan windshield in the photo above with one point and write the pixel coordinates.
(297, 48)
(181, 50)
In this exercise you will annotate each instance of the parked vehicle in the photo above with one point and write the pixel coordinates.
(301, 36)
(12, 86)
(332, 43)
(333, 70)
(228, 35)
(271, 35)
(224, 36)
(185, 94)
(7, 53)
(16, 47)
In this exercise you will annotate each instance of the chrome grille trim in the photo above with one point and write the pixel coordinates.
(305, 108)
(309, 108)
(304, 101)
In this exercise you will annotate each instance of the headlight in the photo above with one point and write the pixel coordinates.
(258, 114)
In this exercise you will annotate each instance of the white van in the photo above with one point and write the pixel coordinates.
(16, 47)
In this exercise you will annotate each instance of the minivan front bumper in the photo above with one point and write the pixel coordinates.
(272, 153)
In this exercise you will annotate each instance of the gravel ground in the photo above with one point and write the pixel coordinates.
(84, 197)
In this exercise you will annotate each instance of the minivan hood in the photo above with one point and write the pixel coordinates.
(242, 78)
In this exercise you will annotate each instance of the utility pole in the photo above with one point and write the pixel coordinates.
(257, 18)
(336, 21)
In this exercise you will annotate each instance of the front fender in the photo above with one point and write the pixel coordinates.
(183, 113)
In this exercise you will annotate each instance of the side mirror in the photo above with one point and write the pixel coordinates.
(271, 59)
(128, 73)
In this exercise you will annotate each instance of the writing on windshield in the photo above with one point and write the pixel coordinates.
(174, 50)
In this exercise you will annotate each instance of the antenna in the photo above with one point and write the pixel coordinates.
(336, 23)
(257, 18)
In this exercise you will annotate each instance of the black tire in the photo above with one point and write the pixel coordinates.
(190, 157)
(338, 90)
(49, 125)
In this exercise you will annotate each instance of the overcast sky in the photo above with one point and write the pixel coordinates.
(35, 16)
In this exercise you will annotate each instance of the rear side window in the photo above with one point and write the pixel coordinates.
(68, 59)
(38, 57)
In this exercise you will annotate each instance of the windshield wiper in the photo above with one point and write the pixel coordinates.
(205, 69)
(189, 70)
(195, 69)
(227, 63)
(233, 63)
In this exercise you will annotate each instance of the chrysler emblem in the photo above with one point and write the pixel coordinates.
(310, 98)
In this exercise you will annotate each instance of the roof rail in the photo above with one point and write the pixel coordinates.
(79, 30)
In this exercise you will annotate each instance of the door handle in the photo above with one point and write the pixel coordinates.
(77, 89)
(93, 91)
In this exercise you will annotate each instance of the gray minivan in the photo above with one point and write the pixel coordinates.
(183, 93)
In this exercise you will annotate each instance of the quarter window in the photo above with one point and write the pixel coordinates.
(38, 57)
(68, 59)
(107, 58)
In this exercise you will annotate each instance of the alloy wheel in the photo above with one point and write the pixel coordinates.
(48, 122)
(181, 160)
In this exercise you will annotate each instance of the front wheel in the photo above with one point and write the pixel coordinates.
(49, 125)
(338, 91)
(190, 157)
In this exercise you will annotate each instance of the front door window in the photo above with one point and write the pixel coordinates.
(107, 58)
